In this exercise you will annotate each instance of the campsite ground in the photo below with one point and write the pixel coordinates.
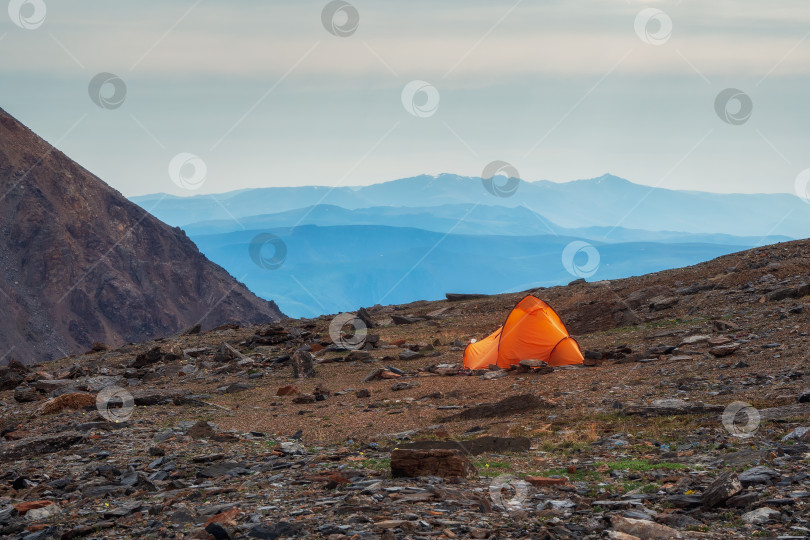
(604, 452)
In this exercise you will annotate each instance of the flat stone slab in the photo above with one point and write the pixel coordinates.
(44, 444)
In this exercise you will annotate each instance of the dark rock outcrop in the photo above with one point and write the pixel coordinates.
(80, 264)
(437, 462)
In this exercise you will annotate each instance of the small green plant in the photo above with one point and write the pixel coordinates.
(578, 476)
(491, 468)
(377, 464)
(642, 465)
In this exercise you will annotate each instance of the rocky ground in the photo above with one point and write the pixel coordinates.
(690, 420)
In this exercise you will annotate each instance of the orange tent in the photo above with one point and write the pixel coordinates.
(532, 331)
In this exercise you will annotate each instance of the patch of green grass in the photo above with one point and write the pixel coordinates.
(649, 488)
(642, 465)
(491, 468)
(377, 464)
(638, 486)
(578, 476)
(631, 485)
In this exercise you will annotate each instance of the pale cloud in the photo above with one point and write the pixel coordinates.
(252, 40)
(296, 105)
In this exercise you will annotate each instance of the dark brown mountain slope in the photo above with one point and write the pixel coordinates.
(79, 263)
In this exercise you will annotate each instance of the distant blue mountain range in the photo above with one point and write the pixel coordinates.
(418, 238)
(471, 219)
(607, 201)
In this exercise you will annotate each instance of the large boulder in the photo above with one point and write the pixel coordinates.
(437, 462)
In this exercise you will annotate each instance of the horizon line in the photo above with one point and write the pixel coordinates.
(459, 176)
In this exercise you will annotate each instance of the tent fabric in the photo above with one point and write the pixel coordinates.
(531, 331)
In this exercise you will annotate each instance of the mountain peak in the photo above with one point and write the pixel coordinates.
(609, 179)
(82, 264)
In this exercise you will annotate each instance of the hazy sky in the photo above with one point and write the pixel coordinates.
(265, 95)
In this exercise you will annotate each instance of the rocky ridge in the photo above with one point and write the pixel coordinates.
(80, 264)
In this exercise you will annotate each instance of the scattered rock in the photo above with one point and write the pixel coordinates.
(292, 448)
(562, 505)
(236, 387)
(724, 350)
(408, 354)
(24, 507)
(227, 353)
(303, 364)
(535, 366)
(150, 357)
(374, 374)
(43, 513)
(618, 535)
(282, 529)
(193, 331)
(592, 358)
(643, 528)
(12, 375)
(288, 390)
(225, 468)
(456, 297)
(724, 487)
(400, 319)
(149, 397)
(546, 481)
(691, 340)
(798, 434)
(321, 392)
(361, 356)
(660, 303)
(757, 475)
(724, 326)
(761, 515)
(26, 394)
(51, 385)
(788, 292)
(364, 316)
